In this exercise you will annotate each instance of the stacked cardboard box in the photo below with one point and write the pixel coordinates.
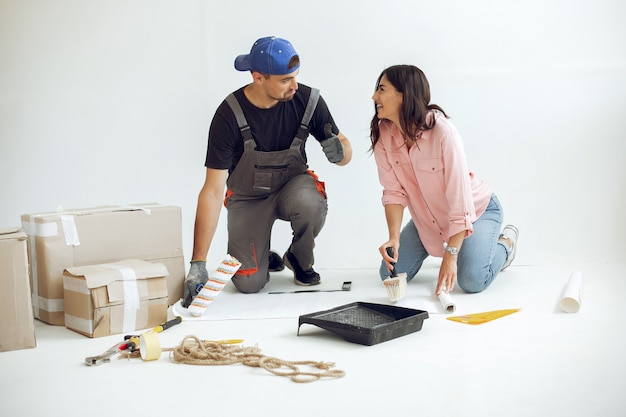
(118, 297)
(17, 329)
(92, 236)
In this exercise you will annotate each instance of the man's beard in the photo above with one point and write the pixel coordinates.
(284, 99)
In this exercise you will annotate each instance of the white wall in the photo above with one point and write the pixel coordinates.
(109, 102)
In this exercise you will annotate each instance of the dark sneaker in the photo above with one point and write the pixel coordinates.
(276, 262)
(301, 277)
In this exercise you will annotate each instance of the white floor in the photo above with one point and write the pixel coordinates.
(539, 361)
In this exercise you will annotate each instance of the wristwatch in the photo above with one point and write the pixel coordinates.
(451, 249)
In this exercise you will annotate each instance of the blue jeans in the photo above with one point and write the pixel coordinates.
(479, 261)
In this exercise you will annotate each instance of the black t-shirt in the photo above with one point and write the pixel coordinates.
(273, 129)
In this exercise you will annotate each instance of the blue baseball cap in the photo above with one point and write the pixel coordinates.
(269, 55)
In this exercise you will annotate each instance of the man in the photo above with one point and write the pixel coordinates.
(256, 151)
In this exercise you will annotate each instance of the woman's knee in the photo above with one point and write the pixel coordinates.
(473, 282)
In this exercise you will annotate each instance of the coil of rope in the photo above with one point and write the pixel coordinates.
(193, 351)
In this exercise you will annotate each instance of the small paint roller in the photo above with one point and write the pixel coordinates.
(395, 283)
(214, 285)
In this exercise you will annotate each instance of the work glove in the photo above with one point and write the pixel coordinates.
(332, 145)
(197, 277)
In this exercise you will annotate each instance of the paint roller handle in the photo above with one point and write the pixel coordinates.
(168, 324)
(390, 253)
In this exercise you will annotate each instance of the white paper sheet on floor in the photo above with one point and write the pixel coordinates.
(366, 287)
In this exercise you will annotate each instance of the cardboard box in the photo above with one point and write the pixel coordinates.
(114, 298)
(17, 327)
(61, 240)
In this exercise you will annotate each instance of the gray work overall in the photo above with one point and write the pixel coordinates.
(265, 186)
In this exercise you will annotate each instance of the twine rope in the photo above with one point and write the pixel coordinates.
(193, 351)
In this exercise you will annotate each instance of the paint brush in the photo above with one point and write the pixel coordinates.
(395, 283)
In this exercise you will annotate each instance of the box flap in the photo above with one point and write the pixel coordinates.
(12, 233)
(41, 217)
(100, 275)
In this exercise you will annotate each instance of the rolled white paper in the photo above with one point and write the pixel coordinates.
(570, 298)
(446, 300)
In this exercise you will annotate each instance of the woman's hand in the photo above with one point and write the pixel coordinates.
(447, 271)
(383, 252)
(447, 274)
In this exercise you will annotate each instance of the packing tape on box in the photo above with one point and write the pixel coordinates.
(149, 346)
(131, 297)
(30, 228)
(51, 305)
(570, 297)
(34, 229)
(49, 229)
(69, 231)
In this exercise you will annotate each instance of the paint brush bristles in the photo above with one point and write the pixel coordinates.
(395, 284)
(396, 287)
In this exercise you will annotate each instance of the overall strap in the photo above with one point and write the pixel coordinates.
(244, 127)
(303, 131)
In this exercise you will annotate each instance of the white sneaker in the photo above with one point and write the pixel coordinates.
(509, 237)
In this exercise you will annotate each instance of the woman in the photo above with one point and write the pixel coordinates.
(422, 166)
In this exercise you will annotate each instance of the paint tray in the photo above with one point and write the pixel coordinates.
(367, 323)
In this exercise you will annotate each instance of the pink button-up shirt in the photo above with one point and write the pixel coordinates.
(432, 179)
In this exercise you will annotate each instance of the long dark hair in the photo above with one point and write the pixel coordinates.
(412, 83)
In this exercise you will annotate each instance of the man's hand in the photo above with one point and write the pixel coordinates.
(197, 277)
(332, 145)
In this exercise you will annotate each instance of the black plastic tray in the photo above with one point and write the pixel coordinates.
(367, 323)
